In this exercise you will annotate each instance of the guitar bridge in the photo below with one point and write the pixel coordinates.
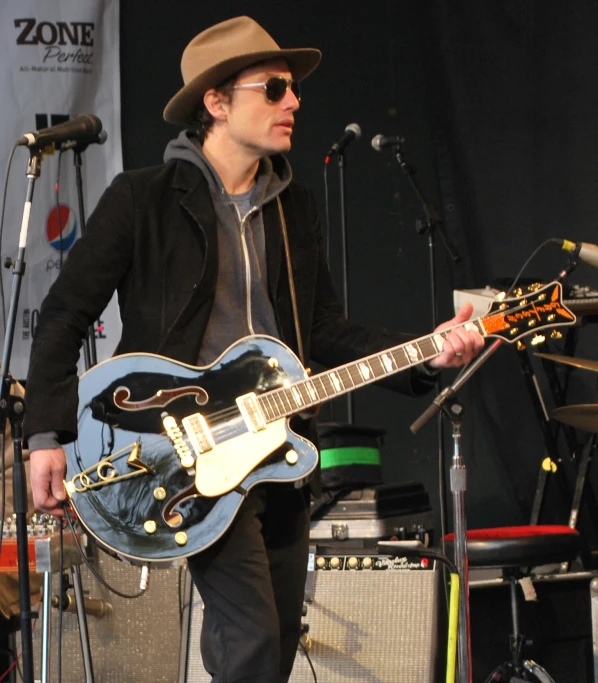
(251, 412)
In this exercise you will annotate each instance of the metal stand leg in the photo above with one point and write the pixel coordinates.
(186, 628)
(46, 626)
(458, 488)
(82, 621)
(594, 610)
(515, 635)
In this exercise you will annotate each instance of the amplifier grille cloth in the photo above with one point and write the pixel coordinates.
(138, 642)
(366, 626)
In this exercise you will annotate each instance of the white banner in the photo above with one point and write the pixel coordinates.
(61, 58)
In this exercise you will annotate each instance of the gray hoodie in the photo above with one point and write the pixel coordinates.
(242, 305)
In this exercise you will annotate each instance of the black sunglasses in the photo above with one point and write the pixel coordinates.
(275, 88)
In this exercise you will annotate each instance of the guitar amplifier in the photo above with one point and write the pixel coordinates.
(130, 641)
(371, 619)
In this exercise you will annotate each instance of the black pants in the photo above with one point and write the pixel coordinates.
(252, 583)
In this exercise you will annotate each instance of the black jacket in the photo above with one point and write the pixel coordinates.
(153, 238)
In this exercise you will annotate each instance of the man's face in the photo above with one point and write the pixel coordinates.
(255, 123)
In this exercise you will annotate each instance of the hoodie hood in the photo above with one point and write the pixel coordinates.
(273, 175)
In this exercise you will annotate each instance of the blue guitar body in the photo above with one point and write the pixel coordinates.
(126, 514)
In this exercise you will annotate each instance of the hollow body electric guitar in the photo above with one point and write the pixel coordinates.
(166, 452)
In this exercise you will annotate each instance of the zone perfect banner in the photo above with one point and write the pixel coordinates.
(61, 58)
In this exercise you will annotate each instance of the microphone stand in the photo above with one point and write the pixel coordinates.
(430, 225)
(89, 343)
(345, 258)
(447, 403)
(13, 408)
(90, 359)
(454, 411)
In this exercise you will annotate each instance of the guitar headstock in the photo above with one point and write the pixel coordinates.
(540, 308)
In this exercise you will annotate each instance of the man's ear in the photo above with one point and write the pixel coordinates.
(215, 102)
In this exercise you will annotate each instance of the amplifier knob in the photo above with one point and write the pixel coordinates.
(366, 563)
(353, 562)
(335, 562)
(320, 562)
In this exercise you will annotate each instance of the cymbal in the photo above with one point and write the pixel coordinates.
(583, 363)
(583, 416)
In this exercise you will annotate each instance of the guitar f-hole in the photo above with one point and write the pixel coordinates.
(169, 515)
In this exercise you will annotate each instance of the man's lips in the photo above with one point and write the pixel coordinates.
(286, 124)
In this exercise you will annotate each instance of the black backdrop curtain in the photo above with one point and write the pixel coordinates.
(498, 105)
(514, 116)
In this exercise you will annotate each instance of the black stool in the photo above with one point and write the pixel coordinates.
(514, 549)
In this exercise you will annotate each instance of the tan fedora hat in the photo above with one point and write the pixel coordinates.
(219, 52)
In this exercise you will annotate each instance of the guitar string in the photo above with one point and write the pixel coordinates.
(219, 421)
(223, 415)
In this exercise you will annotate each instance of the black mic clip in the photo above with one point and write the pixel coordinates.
(79, 146)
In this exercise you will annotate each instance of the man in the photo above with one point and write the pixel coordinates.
(197, 249)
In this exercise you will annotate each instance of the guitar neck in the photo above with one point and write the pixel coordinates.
(327, 385)
(509, 319)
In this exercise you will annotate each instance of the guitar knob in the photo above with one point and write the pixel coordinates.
(291, 457)
(367, 562)
(320, 562)
(150, 526)
(353, 562)
(335, 562)
(160, 493)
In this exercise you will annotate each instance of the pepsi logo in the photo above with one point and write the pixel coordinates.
(61, 227)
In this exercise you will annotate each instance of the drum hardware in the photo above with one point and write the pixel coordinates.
(581, 363)
(582, 416)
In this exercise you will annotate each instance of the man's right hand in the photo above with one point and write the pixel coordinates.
(47, 471)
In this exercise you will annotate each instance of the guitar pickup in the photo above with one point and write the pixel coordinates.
(251, 412)
(199, 433)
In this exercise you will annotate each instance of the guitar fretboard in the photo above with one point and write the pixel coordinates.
(332, 383)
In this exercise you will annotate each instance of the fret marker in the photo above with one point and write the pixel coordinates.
(297, 396)
(311, 391)
(412, 353)
(471, 327)
(365, 371)
(336, 381)
(388, 362)
(438, 340)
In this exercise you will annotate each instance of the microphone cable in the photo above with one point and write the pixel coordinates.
(328, 246)
(93, 570)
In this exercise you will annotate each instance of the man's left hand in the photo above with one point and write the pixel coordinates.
(461, 345)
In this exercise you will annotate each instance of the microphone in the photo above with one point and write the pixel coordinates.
(352, 132)
(379, 142)
(587, 252)
(95, 607)
(84, 128)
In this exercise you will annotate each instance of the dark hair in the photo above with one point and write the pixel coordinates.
(203, 120)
